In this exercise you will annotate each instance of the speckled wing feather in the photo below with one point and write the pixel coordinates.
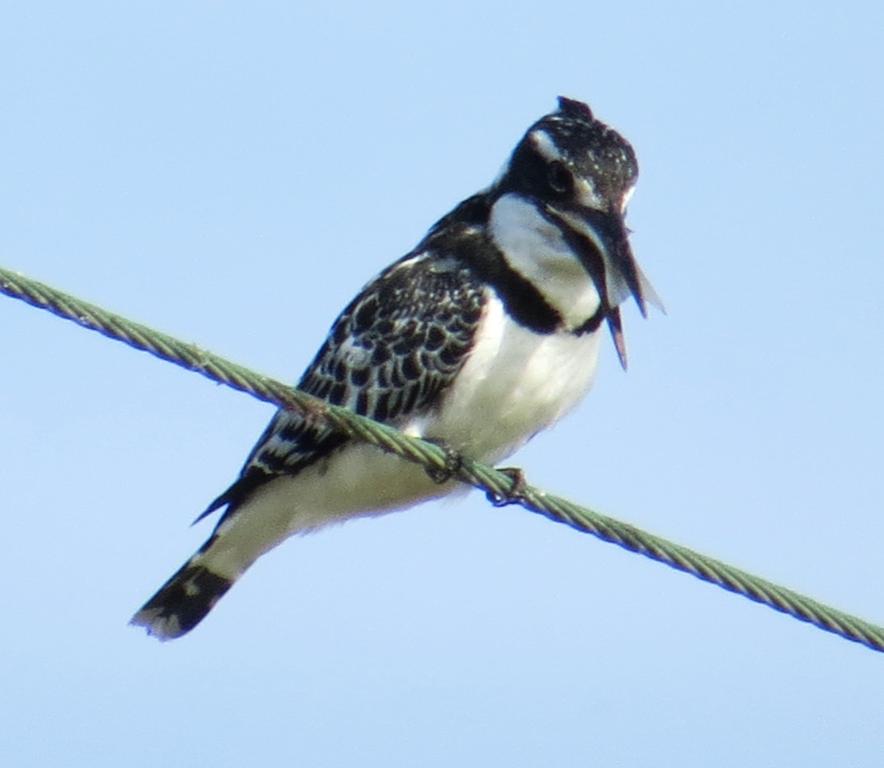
(389, 356)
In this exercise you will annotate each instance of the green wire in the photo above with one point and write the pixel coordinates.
(500, 486)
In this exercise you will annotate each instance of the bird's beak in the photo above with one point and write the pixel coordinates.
(601, 241)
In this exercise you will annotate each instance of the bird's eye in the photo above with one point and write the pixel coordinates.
(559, 177)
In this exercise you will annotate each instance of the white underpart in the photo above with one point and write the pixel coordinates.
(514, 384)
(358, 481)
(534, 248)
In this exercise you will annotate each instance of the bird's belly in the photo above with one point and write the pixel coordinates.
(357, 480)
(514, 384)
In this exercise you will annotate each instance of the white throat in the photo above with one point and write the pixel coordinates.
(535, 249)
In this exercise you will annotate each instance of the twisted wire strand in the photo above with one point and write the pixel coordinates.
(498, 485)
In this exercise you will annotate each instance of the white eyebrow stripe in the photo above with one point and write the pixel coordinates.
(545, 145)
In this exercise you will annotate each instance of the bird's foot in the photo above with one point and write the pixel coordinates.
(453, 463)
(515, 494)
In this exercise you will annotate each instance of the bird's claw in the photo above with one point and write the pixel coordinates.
(516, 492)
(453, 464)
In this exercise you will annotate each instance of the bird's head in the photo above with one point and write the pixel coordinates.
(580, 175)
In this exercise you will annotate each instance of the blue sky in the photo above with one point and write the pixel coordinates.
(232, 174)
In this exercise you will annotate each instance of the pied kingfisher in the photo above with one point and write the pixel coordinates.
(483, 335)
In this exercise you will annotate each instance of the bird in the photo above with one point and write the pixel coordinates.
(483, 335)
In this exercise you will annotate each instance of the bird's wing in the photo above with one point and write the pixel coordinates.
(388, 356)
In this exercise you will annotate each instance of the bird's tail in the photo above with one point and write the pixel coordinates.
(184, 600)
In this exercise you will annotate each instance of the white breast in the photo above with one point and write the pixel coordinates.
(514, 384)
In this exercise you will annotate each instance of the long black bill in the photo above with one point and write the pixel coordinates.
(601, 241)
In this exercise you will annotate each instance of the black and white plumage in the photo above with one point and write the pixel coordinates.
(486, 333)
